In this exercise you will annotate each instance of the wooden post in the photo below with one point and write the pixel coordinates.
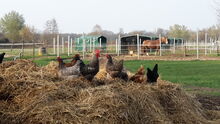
(138, 46)
(206, 35)
(185, 50)
(22, 48)
(100, 43)
(210, 46)
(174, 45)
(58, 45)
(160, 45)
(90, 45)
(116, 46)
(62, 45)
(71, 46)
(119, 44)
(68, 48)
(84, 44)
(93, 44)
(54, 46)
(197, 41)
(33, 50)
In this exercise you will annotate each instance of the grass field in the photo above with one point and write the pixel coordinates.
(195, 73)
(201, 77)
(189, 73)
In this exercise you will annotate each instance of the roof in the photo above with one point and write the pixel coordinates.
(135, 36)
(91, 36)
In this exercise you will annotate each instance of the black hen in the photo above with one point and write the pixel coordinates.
(115, 69)
(2, 57)
(152, 76)
(90, 70)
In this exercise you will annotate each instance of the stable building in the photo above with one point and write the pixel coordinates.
(90, 43)
(129, 43)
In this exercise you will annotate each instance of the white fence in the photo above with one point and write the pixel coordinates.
(186, 48)
(60, 47)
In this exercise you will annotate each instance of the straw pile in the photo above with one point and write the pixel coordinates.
(32, 94)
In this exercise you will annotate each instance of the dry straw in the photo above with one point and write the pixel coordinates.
(32, 94)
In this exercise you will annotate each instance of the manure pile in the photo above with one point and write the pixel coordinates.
(32, 94)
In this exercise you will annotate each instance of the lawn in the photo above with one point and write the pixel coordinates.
(188, 73)
(193, 73)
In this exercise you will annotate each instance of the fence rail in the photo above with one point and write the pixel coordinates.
(60, 47)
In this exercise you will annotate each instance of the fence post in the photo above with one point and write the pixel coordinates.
(54, 46)
(33, 50)
(71, 46)
(182, 44)
(119, 44)
(62, 45)
(174, 45)
(22, 48)
(93, 44)
(210, 45)
(160, 44)
(68, 48)
(197, 41)
(185, 50)
(100, 43)
(58, 45)
(84, 44)
(116, 45)
(206, 35)
(138, 46)
(90, 45)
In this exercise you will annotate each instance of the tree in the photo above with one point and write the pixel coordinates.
(121, 31)
(161, 31)
(11, 24)
(51, 30)
(96, 30)
(217, 8)
(140, 32)
(179, 31)
(27, 33)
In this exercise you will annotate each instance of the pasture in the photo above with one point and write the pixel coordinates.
(200, 75)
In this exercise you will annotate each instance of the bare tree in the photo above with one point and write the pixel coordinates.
(51, 30)
(179, 31)
(96, 30)
(162, 31)
(28, 33)
(121, 31)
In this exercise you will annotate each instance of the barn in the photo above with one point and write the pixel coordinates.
(90, 43)
(178, 41)
(129, 43)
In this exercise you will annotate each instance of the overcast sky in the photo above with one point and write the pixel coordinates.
(78, 16)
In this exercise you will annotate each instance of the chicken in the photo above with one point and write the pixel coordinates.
(115, 69)
(139, 75)
(152, 76)
(2, 57)
(73, 62)
(68, 72)
(90, 70)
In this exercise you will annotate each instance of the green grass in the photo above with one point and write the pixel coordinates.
(189, 73)
(194, 73)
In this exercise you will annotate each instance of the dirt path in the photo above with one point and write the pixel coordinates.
(209, 102)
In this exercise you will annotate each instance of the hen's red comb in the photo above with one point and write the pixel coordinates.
(97, 51)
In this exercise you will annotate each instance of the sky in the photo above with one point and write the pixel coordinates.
(80, 16)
